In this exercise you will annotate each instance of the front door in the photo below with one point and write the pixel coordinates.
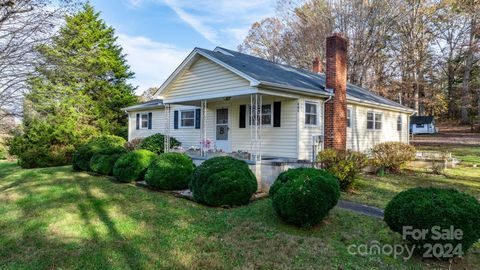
(221, 132)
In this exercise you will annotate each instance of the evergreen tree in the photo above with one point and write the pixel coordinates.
(85, 58)
(77, 91)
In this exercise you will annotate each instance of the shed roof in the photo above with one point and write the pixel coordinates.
(421, 120)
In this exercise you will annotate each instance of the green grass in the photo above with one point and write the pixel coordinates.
(378, 191)
(55, 218)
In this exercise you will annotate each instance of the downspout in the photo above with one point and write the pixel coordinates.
(323, 115)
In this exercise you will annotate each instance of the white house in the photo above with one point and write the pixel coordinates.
(422, 125)
(272, 111)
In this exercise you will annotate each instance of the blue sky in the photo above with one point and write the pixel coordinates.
(158, 34)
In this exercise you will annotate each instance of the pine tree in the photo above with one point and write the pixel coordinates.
(77, 91)
(85, 57)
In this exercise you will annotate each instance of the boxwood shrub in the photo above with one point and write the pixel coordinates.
(83, 154)
(170, 171)
(304, 196)
(133, 165)
(223, 181)
(103, 161)
(155, 144)
(425, 208)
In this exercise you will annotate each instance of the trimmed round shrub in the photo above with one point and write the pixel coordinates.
(155, 144)
(425, 208)
(83, 154)
(170, 171)
(223, 181)
(103, 161)
(304, 196)
(133, 165)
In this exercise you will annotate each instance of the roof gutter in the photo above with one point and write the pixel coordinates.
(288, 88)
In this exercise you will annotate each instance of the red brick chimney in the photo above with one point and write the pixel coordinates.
(317, 66)
(336, 107)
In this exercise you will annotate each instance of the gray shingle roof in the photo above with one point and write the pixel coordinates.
(154, 103)
(421, 120)
(270, 72)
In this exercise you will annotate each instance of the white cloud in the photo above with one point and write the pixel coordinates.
(151, 61)
(222, 22)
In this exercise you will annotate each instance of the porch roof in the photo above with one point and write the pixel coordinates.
(151, 104)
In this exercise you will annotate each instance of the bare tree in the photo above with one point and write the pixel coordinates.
(469, 60)
(24, 24)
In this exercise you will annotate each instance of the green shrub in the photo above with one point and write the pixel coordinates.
(155, 144)
(133, 165)
(223, 181)
(424, 208)
(3, 151)
(170, 171)
(83, 154)
(392, 155)
(102, 162)
(32, 155)
(344, 164)
(304, 196)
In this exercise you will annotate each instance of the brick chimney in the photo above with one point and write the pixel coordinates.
(317, 66)
(336, 107)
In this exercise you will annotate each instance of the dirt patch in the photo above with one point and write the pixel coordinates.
(448, 135)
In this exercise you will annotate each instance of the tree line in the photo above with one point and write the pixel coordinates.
(424, 54)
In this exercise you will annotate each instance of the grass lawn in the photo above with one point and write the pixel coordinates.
(378, 191)
(54, 218)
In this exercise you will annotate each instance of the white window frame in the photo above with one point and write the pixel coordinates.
(399, 123)
(317, 115)
(141, 120)
(249, 119)
(180, 118)
(374, 121)
(349, 118)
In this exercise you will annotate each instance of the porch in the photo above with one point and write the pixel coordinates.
(260, 129)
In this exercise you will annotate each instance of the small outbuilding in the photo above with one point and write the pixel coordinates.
(422, 125)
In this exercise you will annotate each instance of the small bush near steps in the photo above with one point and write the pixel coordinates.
(133, 165)
(344, 164)
(170, 171)
(155, 144)
(425, 208)
(223, 181)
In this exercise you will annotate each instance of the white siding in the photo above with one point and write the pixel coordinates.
(204, 78)
(276, 141)
(360, 138)
(306, 132)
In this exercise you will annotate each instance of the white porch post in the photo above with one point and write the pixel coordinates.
(203, 126)
(166, 137)
(255, 126)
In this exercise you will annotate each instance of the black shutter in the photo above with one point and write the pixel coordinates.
(277, 112)
(149, 120)
(198, 113)
(243, 116)
(138, 121)
(175, 119)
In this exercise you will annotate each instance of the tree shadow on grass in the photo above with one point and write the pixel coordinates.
(32, 234)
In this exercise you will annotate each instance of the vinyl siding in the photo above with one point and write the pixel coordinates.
(204, 78)
(276, 141)
(306, 132)
(360, 138)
